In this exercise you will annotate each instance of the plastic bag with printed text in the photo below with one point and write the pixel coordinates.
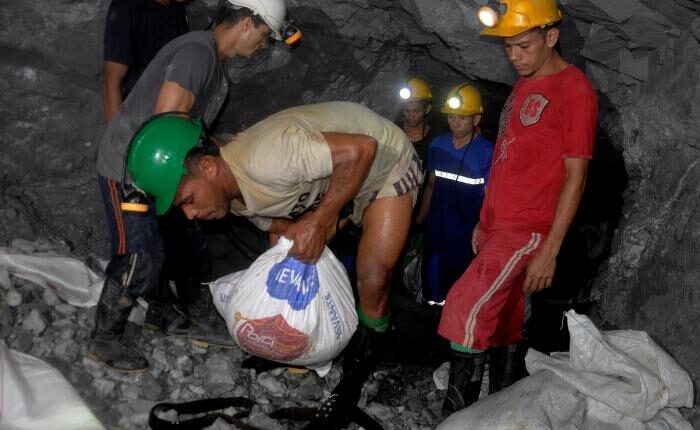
(284, 310)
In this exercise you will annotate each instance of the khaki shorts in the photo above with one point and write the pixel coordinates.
(410, 182)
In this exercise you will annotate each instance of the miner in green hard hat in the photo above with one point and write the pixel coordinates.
(303, 173)
(157, 155)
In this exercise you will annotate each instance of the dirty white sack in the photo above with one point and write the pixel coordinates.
(615, 380)
(287, 311)
(35, 396)
(70, 278)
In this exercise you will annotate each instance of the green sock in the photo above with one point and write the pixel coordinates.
(459, 348)
(379, 325)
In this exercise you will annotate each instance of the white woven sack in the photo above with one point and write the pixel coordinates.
(287, 311)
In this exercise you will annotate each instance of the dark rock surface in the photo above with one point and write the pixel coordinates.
(642, 56)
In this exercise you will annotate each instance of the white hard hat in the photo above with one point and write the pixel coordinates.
(273, 12)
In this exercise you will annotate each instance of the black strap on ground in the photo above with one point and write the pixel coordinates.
(199, 407)
(355, 415)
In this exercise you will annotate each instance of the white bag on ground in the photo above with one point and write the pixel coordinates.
(35, 396)
(287, 311)
(616, 380)
(71, 279)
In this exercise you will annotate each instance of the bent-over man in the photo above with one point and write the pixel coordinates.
(296, 174)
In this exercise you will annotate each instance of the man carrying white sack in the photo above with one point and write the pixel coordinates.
(299, 173)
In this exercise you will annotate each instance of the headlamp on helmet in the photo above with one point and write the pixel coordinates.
(491, 13)
(405, 93)
(290, 33)
(454, 102)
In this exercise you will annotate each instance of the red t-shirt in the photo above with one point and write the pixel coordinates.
(544, 121)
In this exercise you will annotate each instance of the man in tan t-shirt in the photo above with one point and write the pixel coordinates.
(292, 174)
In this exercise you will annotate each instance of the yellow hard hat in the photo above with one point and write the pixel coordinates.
(463, 100)
(506, 18)
(416, 89)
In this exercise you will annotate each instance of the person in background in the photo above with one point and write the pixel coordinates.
(417, 104)
(417, 99)
(538, 174)
(135, 30)
(188, 76)
(457, 173)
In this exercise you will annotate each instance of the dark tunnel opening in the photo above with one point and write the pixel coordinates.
(586, 247)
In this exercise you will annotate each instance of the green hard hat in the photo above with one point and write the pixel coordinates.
(157, 156)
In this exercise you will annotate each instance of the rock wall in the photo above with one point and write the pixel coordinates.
(651, 280)
(644, 59)
(641, 55)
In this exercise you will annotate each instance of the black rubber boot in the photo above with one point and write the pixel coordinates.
(107, 346)
(167, 317)
(361, 358)
(207, 327)
(464, 385)
(506, 365)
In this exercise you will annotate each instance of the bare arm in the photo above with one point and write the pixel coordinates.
(112, 76)
(540, 269)
(174, 98)
(427, 196)
(352, 156)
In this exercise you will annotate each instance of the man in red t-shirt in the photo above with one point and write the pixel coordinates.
(538, 174)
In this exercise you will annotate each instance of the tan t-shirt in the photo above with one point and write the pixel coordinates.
(283, 164)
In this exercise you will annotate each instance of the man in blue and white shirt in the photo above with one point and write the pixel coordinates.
(458, 169)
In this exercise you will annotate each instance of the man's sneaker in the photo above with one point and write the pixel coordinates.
(117, 356)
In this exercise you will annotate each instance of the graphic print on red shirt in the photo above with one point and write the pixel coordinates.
(544, 121)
